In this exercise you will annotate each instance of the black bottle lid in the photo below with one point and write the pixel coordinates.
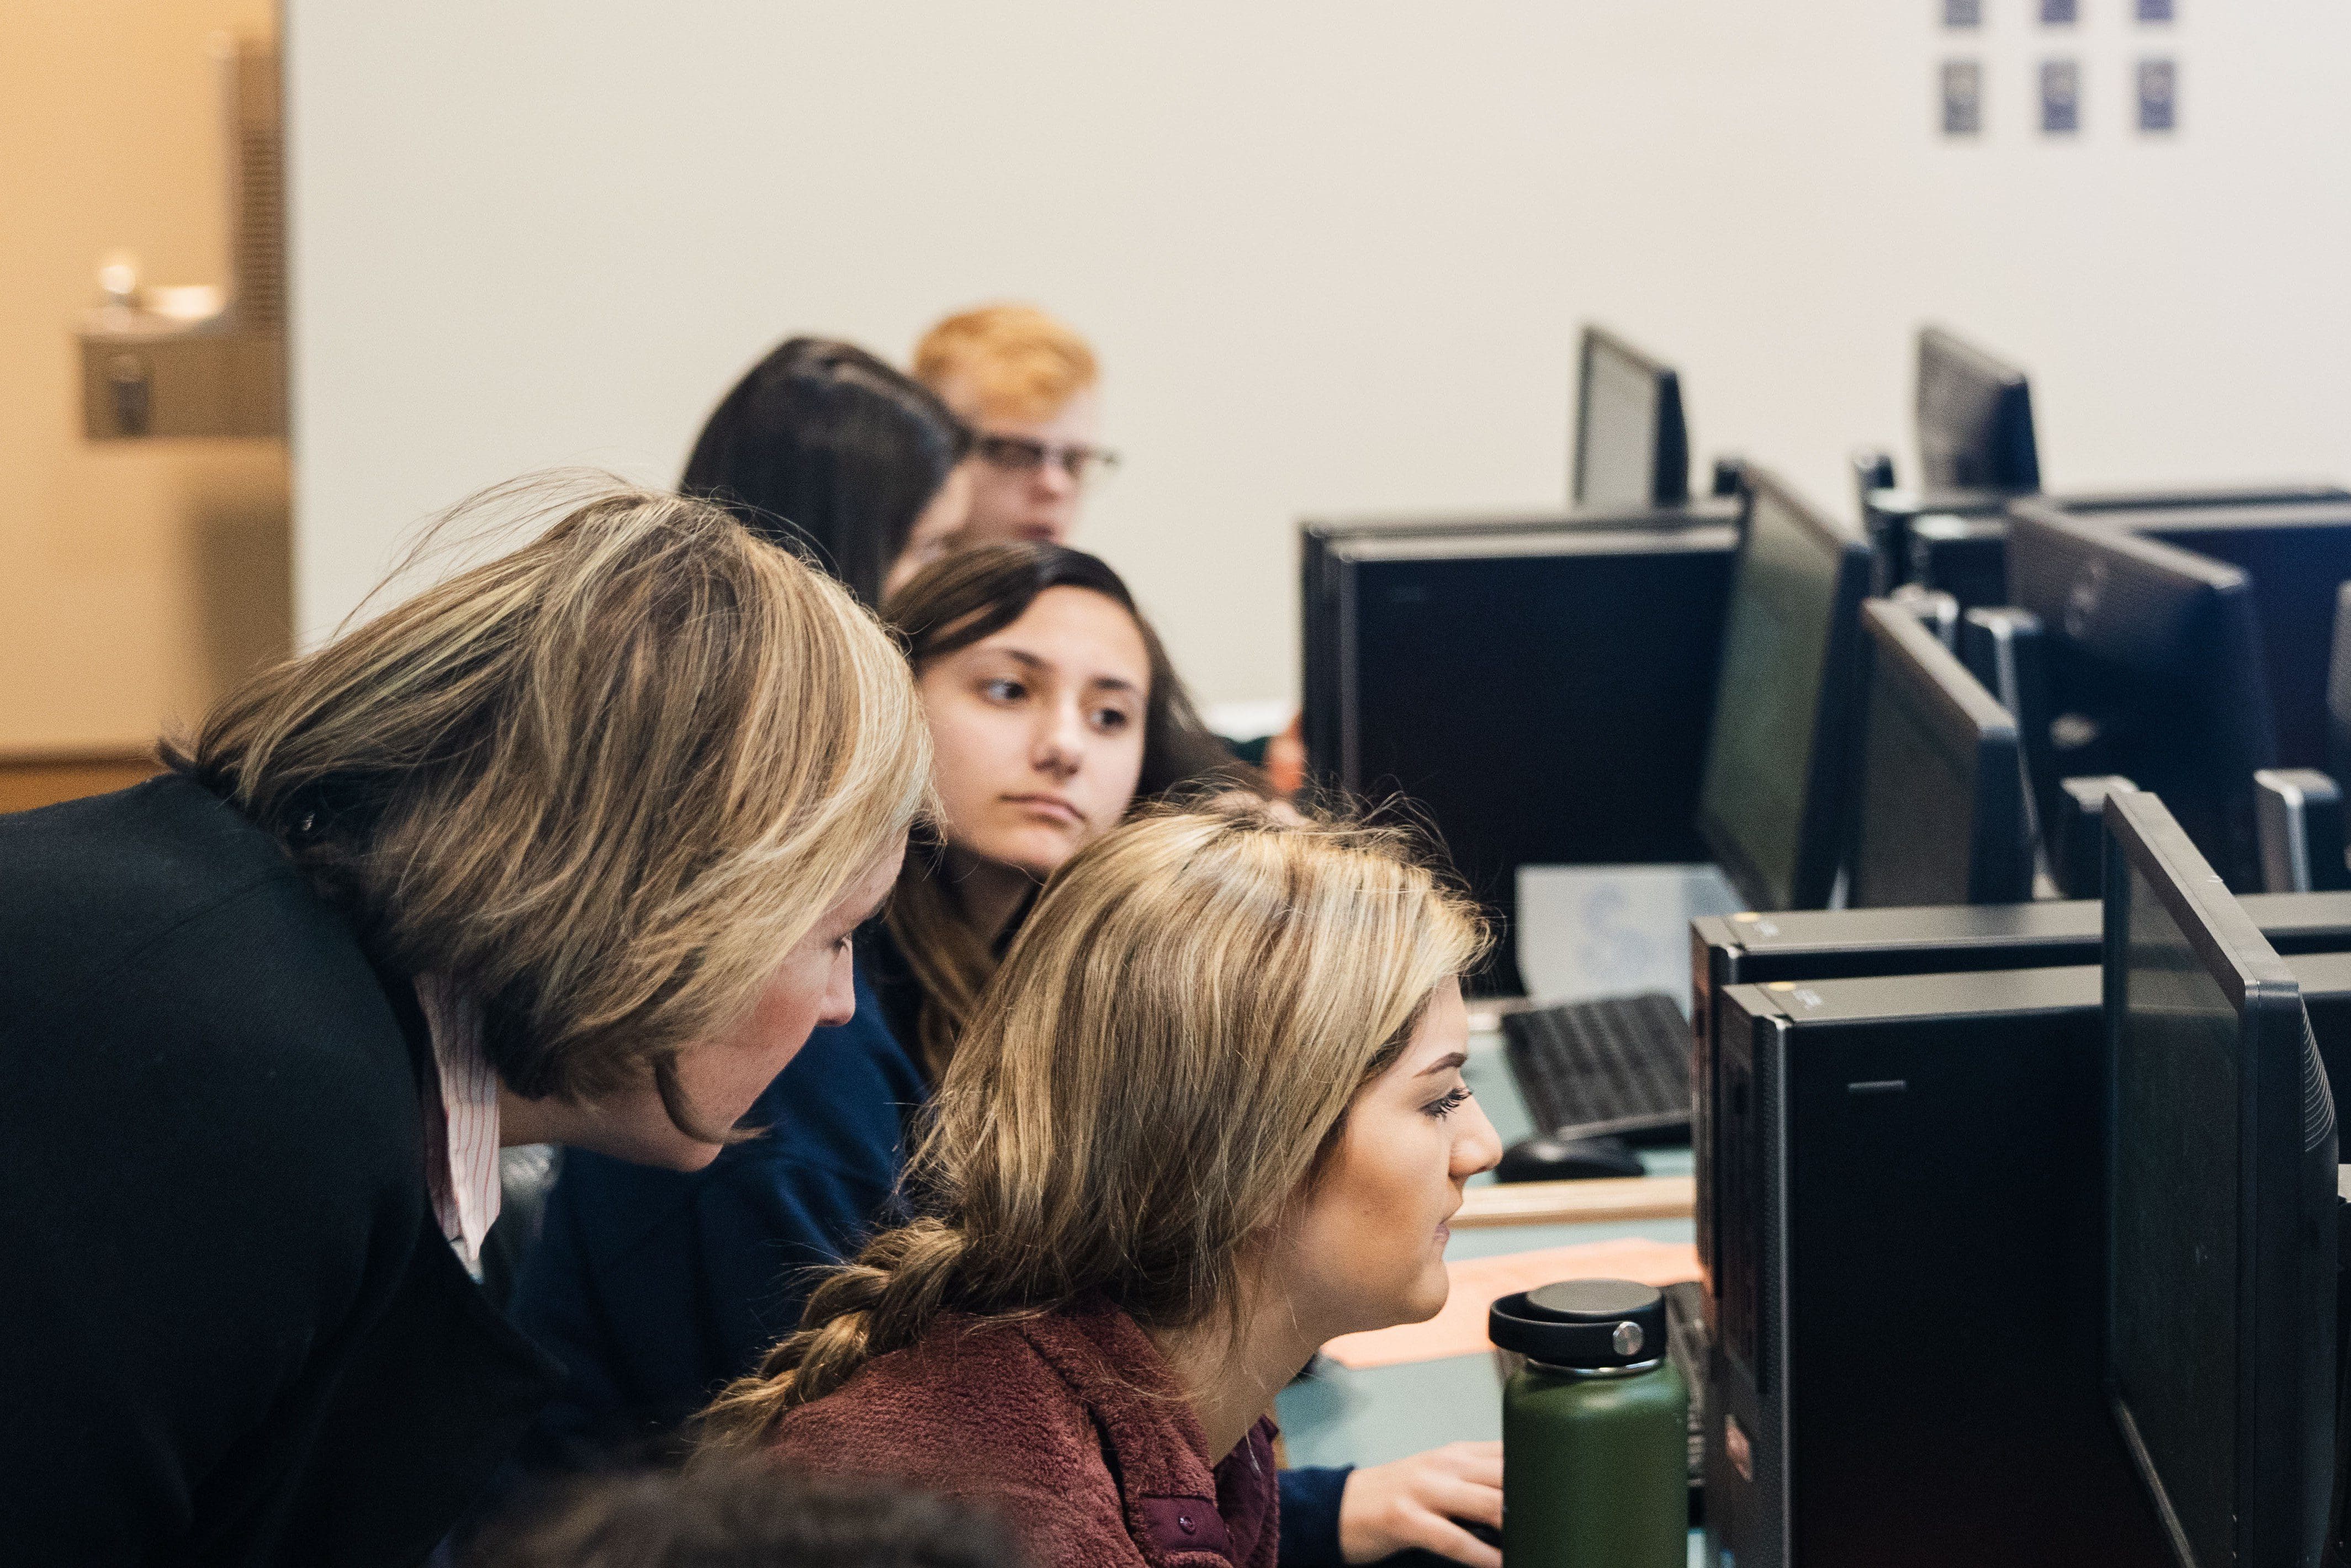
(1584, 1323)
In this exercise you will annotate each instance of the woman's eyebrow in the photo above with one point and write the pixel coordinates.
(1445, 1063)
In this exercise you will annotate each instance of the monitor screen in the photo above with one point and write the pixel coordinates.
(1776, 647)
(1631, 446)
(1975, 418)
(1619, 434)
(1940, 813)
(2175, 1241)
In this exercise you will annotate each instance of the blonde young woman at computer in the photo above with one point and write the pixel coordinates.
(1207, 1115)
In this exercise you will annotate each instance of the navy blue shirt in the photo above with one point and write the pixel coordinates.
(655, 1288)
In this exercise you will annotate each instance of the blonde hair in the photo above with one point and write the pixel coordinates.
(1155, 1074)
(1004, 361)
(605, 782)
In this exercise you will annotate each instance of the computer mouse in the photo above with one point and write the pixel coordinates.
(1544, 1158)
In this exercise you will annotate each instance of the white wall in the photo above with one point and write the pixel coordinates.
(1333, 253)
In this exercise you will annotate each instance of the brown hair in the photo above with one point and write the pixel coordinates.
(1155, 1074)
(1004, 361)
(604, 782)
(948, 607)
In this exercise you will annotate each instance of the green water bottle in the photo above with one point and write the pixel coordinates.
(1595, 1445)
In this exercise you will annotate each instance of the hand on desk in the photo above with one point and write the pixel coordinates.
(1415, 1502)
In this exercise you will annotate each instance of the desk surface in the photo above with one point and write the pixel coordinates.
(1345, 1417)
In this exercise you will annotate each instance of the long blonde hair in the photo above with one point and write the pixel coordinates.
(1152, 1076)
(605, 782)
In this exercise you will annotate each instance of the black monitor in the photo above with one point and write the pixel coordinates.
(2154, 669)
(1320, 581)
(2220, 1202)
(1777, 762)
(1541, 698)
(1958, 544)
(2297, 556)
(1632, 448)
(1939, 815)
(1975, 419)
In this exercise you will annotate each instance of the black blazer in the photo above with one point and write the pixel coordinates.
(230, 1329)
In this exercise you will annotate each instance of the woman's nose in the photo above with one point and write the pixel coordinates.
(1060, 744)
(1480, 1147)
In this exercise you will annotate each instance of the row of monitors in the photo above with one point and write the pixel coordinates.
(1977, 453)
(1696, 685)
(1631, 442)
(2285, 538)
(2020, 1225)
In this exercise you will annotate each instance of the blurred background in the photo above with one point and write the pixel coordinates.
(1334, 258)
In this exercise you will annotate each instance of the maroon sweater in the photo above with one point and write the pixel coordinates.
(1067, 1426)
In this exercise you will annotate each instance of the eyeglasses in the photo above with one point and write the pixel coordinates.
(1018, 454)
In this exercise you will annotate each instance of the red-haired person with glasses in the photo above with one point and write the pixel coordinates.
(1028, 387)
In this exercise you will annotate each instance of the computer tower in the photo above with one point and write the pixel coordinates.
(1541, 697)
(1755, 948)
(1905, 1358)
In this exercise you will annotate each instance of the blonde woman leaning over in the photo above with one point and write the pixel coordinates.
(568, 848)
(1208, 1114)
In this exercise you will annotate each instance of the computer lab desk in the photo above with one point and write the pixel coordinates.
(1341, 1417)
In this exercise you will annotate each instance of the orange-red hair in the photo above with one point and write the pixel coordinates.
(1009, 360)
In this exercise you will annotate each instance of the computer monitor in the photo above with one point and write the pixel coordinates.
(1975, 418)
(1539, 697)
(1319, 583)
(1777, 763)
(1958, 544)
(2220, 1202)
(2297, 556)
(1939, 815)
(1631, 446)
(2153, 667)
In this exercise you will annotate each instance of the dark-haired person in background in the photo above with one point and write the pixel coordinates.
(567, 849)
(822, 444)
(1054, 713)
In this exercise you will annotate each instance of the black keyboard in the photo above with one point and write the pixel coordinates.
(1619, 1068)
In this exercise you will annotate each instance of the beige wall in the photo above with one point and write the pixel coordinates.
(1333, 252)
(135, 577)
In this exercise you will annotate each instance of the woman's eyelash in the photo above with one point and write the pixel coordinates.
(1446, 1106)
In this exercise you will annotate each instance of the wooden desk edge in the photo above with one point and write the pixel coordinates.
(1578, 1202)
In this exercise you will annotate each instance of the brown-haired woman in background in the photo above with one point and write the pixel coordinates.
(1207, 1115)
(567, 849)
